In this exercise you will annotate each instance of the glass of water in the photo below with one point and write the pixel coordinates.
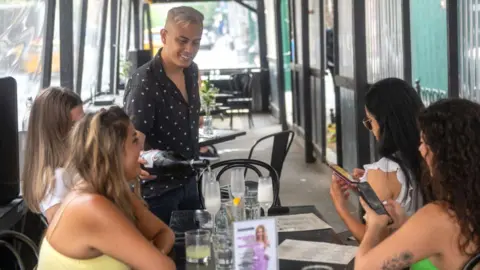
(252, 207)
(197, 246)
(222, 251)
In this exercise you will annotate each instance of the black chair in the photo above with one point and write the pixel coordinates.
(241, 83)
(470, 265)
(281, 145)
(6, 238)
(252, 164)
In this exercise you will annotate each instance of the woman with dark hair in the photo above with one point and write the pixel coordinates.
(447, 230)
(391, 108)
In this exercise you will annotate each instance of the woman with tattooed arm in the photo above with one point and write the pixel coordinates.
(446, 231)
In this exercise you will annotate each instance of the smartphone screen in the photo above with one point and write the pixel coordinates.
(341, 172)
(370, 197)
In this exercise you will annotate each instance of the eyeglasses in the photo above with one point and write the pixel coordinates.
(367, 123)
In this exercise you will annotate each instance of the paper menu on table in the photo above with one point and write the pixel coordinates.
(321, 252)
(300, 222)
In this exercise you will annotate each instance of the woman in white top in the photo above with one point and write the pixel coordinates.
(53, 114)
(391, 108)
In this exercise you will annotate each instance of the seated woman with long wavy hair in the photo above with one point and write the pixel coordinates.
(101, 224)
(445, 231)
(54, 112)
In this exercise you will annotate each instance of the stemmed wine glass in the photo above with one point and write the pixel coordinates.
(212, 199)
(237, 183)
(265, 193)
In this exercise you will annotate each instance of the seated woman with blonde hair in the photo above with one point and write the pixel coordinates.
(54, 112)
(101, 224)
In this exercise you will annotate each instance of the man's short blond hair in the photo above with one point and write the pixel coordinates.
(184, 16)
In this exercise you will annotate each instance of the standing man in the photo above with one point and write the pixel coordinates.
(162, 99)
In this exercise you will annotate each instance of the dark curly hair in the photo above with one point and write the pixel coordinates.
(451, 130)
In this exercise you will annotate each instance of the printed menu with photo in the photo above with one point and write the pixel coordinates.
(255, 244)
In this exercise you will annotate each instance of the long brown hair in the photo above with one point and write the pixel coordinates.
(451, 130)
(48, 128)
(96, 156)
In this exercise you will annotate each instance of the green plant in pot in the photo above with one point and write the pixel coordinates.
(207, 96)
(207, 99)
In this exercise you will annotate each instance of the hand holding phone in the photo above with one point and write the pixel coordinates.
(364, 190)
(342, 173)
(369, 196)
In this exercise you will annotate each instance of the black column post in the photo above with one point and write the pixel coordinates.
(360, 80)
(81, 46)
(66, 44)
(280, 65)
(48, 43)
(452, 36)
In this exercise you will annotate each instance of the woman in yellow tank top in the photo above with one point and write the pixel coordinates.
(101, 224)
(447, 230)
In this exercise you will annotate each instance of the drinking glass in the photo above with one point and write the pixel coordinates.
(317, 267)
(265, 193)
(212, 199)
(197, 246)
(237, 183)
(222, 251)
(252, 207)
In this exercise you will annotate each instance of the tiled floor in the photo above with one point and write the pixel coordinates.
(300, 183)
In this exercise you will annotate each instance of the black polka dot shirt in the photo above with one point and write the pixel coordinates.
(158, 110)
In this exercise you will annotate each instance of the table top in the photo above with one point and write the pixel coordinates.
(185, 220)
(220, 135)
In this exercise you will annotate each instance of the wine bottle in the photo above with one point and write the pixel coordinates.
(169, 163)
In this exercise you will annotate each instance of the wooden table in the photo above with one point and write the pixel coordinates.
(184, 222)
(220, 135)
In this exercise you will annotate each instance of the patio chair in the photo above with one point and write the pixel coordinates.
(241, 83)
(281, 145)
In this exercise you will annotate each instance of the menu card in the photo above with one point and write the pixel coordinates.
(255, 244)
(300, 222)
(321, 252)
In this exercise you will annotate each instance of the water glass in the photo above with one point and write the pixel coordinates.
(197, 246)
(265, 193)
(237, 183)
(317, 267)
(252, 207)
(222, 220)
(222, 251)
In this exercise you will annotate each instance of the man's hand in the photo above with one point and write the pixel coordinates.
(144, 174)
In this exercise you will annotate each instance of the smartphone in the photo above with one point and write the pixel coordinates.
(342, 173)
(363, 189)
(367, 193)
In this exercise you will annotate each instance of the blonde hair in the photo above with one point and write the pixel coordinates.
(96, 157)
(48, 127)
(184, 16)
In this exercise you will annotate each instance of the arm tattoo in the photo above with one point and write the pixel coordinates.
(398, 262)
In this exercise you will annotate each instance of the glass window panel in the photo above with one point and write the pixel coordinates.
(92, 48)
(21, 45)
(106, 53)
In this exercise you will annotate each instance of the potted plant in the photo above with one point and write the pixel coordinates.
(207, 99)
